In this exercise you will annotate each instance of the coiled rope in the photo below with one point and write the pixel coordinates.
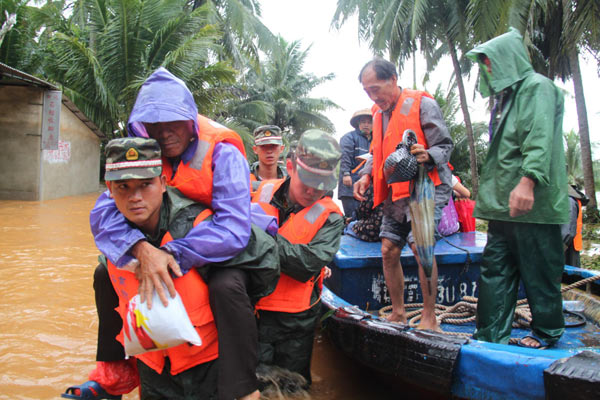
(464, 311)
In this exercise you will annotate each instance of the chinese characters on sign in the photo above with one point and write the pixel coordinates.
(61, 155)
(51, 119)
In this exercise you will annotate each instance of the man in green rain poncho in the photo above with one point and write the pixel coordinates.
(522, 194)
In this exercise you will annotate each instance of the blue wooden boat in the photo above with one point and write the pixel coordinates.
(449, 365)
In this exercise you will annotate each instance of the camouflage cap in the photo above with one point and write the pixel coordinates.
(317, 159)
(132, 158)
(267, 134)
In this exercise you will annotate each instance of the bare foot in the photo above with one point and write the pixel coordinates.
(397, 318)
(429, 323)
(252, 396)
(434, 327)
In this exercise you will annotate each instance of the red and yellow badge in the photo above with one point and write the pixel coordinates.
(323, 164)
(267, 133)
(131, 154)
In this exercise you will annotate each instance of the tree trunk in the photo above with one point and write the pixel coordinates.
(467, 117)
(584, 130)
(198, 3)
(414, 65)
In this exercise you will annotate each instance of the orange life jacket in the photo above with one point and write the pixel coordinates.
(194, 294)
(578, 240)
(194, 179)
(406, 115)
(291, 295)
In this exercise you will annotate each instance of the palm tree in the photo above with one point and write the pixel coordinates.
(106, 49)
(439, 27)
(18, 47)
(242, 32)
(460, 158)
(573, 158)
(278, 93)
(555, 32)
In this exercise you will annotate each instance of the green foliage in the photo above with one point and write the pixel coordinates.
(591, 215)
(105, 50)
(591, 237)
(460, 158)
(573, 158)
(590, 262)
(278, 93)
(22, 47)
(481, 225)
(242, 32)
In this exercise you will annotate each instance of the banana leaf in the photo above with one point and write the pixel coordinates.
(422, 207)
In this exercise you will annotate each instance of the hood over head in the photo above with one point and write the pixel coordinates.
(509, 62)
(162, 98)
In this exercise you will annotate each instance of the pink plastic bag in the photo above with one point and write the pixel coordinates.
(449, 222)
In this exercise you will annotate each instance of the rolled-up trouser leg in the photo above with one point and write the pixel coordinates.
(498, 287)
(109, 320)
(236, 326)
(540, 261)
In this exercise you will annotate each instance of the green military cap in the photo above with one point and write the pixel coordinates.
(267, 134)
(317, 159)
(132, 158)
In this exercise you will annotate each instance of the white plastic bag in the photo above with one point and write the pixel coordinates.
(159, 328)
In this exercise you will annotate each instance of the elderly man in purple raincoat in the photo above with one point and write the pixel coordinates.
(166, 111)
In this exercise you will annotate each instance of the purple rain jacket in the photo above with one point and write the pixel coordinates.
(164, 98)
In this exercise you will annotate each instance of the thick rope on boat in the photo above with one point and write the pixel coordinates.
(464, 311)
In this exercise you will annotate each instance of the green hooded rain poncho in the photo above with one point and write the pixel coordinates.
(526, 141)
(527, 136)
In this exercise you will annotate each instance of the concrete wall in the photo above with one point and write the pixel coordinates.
(26, 172)
(75, 167)
(20, 127)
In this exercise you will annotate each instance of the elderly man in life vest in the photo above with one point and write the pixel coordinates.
(206, 162)
(308, 238)
(396, 110)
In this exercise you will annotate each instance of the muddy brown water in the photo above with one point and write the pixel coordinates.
(48, 318)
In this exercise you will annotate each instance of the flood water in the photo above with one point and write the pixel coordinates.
(48, 318)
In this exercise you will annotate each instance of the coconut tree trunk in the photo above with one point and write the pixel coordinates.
(584, 130)
(414, 65)
(467, 117)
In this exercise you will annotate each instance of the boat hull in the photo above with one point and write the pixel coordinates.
(443, 364)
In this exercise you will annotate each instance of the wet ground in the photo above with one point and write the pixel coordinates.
(48, 319)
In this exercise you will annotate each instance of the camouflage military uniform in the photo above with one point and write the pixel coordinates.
(139, 158)
(286, 339)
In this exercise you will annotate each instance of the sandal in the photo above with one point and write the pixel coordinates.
(90, 390)
(542, 344)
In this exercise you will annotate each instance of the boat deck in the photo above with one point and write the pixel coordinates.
(464, 367)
